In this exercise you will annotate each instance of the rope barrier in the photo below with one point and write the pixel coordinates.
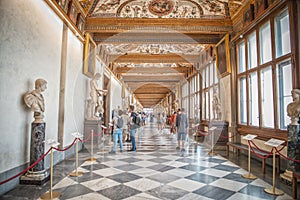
(25, 170)
(262, 157)
(294, 160)
(258, 147)
(57, 149)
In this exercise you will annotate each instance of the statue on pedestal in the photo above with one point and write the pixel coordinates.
(35, 100)
(96, 103)
(216, 105)
(293, 109)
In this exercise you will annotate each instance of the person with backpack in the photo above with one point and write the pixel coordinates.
(117, 132)
(182, 128)
(134, 124)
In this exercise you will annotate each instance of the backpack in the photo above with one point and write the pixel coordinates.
(137, 121)
(120, 122)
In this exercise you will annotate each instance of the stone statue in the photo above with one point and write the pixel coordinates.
(96, 97)
(216, 105)
(293, 109)
(35, 100)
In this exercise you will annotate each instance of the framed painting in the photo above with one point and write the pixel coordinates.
(63, 4)
(223, 56)
(80, 22)
(89, 62)
(248, 15)
(261, 5)
(73, 12)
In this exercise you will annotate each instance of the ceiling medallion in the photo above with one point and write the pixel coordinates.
(161, 7)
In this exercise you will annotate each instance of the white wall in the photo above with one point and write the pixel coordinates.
(115, 94)
(30, 42)
(77, 90)
(30, 48)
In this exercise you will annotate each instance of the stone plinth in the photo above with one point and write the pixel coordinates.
(36, 175)
(94, 125)
(293, 147)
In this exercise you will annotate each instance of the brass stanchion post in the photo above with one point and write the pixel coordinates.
(51, 194)
(92, 147)
(274, 143)
(274, 190)
(212, 153)
(249, 175)
(76, 173)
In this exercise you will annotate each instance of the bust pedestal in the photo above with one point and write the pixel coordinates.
(220, 133)
(293, 152)
(37, 175)
(95, 125)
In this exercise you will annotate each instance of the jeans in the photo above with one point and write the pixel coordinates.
(132, 138)
(118, 136)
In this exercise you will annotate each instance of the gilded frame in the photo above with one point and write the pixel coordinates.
(89, 58)
(222, 52)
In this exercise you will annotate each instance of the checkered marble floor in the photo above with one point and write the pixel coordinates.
(157, 171)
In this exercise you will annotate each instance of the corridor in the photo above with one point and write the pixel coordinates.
(155, 171)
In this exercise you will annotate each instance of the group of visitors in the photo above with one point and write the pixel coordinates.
(178, 125)
(126, 123)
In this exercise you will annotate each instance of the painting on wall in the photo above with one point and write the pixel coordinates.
(73, 12)
(248, 15)
(260, 5)
(63, 4)
(89, 57)
(80, 23)
(223, 57)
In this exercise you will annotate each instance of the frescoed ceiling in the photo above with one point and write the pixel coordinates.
(146, 42)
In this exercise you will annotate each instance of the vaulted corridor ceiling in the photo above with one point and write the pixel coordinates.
(153, 44)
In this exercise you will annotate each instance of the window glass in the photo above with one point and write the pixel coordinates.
(241, 57)
(253, 100)
(216, 72)
(243, 101)
(282, 34)
(265, 43)
(267, 97)
(284, 87)
(252, 51)
(206, 105)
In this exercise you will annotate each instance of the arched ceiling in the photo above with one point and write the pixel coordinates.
(153, 44)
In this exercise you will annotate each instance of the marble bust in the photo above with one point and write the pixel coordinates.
(35, 100)
(293, 109)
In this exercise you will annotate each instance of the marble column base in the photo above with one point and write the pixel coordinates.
(35, 178)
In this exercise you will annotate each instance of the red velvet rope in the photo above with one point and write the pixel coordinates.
(294, 160)
(257, 147)
(25, 170)
(57, 149)
(262, 157)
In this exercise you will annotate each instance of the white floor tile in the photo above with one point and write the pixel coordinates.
(100, 184)
(228, 184)
(143, 184)
(186, 184)
(215, 172)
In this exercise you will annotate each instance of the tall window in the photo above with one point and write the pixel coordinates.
(241, 57)
(209, 76)
(265, 43)
(282, 34)
(257, 81)
(253, 100)
(252, 51)
(267, 105)
(284, 88)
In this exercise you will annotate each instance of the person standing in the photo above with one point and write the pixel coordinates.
(132, 127)
(117, 132)
(126, 120)
(182, 128)
(173, 123)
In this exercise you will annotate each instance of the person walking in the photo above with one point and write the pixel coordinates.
(182, 128)
(117, 132)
